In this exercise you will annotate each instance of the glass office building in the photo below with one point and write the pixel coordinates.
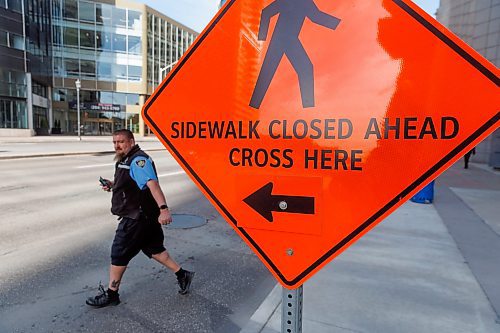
(115, 50)
(119, 50)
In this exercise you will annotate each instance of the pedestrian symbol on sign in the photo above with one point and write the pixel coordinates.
(285, 40)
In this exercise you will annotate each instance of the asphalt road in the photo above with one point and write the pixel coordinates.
(55, 235)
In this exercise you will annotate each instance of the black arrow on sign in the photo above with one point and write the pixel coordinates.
(264, 203)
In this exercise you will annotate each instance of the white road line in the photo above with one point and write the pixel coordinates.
(175, 173)
(172, 173)
(93, 166)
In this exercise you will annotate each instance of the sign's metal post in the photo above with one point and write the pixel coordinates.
(291, 310)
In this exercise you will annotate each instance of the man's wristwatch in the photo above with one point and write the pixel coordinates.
(163, 207)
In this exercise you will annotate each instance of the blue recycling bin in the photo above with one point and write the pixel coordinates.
(426, 195)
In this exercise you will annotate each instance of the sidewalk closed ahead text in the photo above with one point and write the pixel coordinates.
(408, 128)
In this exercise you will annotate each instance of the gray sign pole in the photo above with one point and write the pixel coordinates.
(291, 310)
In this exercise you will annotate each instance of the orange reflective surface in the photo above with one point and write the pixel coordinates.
(396, 99)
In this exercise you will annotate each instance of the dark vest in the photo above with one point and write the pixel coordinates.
(128, 199)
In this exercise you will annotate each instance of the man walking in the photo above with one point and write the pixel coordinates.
(140, 204)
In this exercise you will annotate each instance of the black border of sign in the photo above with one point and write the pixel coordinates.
(460, 51)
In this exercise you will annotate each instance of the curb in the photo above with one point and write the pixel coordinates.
(104, 152)
(12, 157)
(265, 311)
(69, 138)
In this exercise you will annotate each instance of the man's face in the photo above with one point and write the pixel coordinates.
(122, 145)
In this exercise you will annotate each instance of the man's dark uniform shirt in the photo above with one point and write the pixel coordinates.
(128, 199)
(133, 202)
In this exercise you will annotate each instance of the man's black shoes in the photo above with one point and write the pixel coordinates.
(110, 297)
(185, 282)
(104, 298)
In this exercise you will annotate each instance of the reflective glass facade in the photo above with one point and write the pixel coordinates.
(114, 50)
(95, 41)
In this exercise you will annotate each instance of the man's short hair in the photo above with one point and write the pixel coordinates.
(125, 132)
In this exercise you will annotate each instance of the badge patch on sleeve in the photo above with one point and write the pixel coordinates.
(140, 163)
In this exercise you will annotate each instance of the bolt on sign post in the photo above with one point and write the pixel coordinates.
(307, 122)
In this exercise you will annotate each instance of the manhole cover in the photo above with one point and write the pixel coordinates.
(186, 221)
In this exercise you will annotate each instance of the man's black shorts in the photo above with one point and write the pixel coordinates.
(133, 236)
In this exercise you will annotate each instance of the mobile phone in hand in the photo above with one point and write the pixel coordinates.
(104, 182)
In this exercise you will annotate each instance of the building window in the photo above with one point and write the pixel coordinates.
(56, 10)
(57, 35)
(58, 66)
(103, 14)
(134, 45)
(104, 40)
(15, 5)
(60, 95)
(70, 37)
(104, 71)
(40, 117)
(71, 95)
(13, 114)
(72, 67)
(106, 97)
(119, 18)
(87, 38)
(119, 98)
(87, 12)
(16, 41)
(119, 43)
(134, 73)
(87, 96)
(70, 10)
(4, 38)
(39, 89)
(120, 71)
(162, 29)
(133, 99)
(134, 20)
(88, 68)
(12, 83)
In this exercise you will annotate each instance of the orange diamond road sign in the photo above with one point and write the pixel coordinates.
(307, 122)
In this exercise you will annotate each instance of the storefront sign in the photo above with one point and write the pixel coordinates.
(99, 107)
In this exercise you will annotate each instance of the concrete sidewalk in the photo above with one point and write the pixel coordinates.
(412, 273)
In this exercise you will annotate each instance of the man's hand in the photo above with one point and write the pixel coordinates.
(165, 217)
(107, 186)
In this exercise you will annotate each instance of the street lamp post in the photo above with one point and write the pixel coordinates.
(78, 85)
